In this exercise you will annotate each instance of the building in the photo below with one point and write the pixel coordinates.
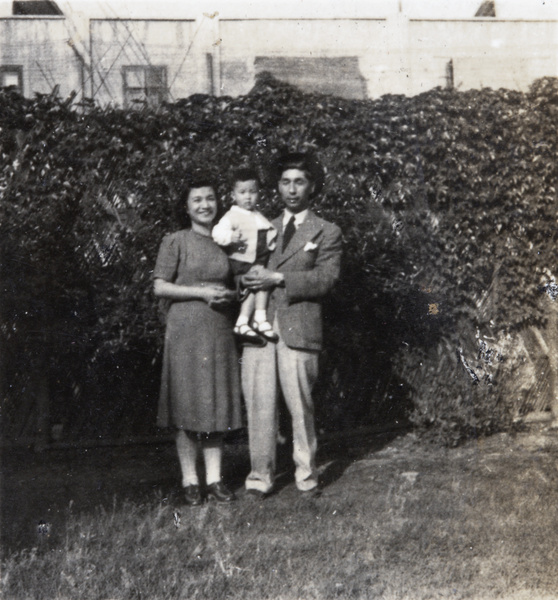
(130, 54)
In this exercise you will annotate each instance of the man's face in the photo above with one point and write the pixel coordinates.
(295, 189)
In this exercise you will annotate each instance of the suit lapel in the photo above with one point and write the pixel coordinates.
(305, 233)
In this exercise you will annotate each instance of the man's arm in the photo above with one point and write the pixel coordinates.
(305, 284)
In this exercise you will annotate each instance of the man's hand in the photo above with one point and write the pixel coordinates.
(261, 279)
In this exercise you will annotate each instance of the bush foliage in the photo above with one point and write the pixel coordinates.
(447, 202)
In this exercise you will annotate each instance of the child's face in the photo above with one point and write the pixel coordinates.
(246, 194)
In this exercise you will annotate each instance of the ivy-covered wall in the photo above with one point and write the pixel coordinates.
(447, 202)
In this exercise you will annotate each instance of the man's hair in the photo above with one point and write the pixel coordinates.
(294, 160)
(303, 162)
(244, 174)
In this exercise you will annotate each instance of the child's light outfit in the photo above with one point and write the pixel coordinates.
(258, 238)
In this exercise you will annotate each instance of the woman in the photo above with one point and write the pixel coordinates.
(200, 390)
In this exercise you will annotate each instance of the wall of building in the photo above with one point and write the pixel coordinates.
(116, 44)
(365, 57)
(395, 55)
(40, 47)
(245, 43)
(485, 53)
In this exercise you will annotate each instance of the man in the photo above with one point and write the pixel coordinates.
(301, 271)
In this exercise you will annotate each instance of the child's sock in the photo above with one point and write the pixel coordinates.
(260, 316)
(242, 320)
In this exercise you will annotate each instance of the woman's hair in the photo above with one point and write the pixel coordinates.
(303, 162)
(192, 182)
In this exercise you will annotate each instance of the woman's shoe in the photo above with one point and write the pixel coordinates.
(219, 492)
(248, 335)
(192, 495)
(266, 330)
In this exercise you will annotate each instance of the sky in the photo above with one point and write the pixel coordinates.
(445, 9)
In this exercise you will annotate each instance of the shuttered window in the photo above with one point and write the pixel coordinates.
(144, 85)
(11, 77)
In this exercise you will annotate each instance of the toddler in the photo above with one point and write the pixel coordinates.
(249, 238)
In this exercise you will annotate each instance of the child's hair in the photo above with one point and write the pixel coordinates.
(245, 174)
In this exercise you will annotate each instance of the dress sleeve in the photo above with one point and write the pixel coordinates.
(166, 266)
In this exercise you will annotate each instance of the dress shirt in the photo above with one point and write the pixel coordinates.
(299, 218)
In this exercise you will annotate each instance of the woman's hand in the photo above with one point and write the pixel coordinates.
(217, 296)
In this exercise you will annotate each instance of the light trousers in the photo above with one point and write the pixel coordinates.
(265, 372)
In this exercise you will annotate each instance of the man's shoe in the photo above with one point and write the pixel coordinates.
(256, 495)
(192, 495)
(315, 492)
(219, 492)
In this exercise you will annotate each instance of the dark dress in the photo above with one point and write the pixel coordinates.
(200, 384)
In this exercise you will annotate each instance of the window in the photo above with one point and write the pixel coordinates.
(144, 85)
(11, 77)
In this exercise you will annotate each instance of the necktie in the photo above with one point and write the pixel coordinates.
(289, 232)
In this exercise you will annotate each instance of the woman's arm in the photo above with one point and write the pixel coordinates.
(307, 284)
(214, 295)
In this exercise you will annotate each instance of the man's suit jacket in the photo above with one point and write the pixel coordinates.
(311, 265)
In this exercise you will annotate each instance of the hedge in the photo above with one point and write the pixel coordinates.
(447, 202)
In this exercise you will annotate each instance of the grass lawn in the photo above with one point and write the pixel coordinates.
(396, 520)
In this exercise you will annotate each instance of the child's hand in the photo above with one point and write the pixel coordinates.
(237, 239)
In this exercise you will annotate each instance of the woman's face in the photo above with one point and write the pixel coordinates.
(202, 206)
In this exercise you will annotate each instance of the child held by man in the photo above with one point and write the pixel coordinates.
(248, 238)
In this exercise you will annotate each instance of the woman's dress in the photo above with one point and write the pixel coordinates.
(200, 384)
